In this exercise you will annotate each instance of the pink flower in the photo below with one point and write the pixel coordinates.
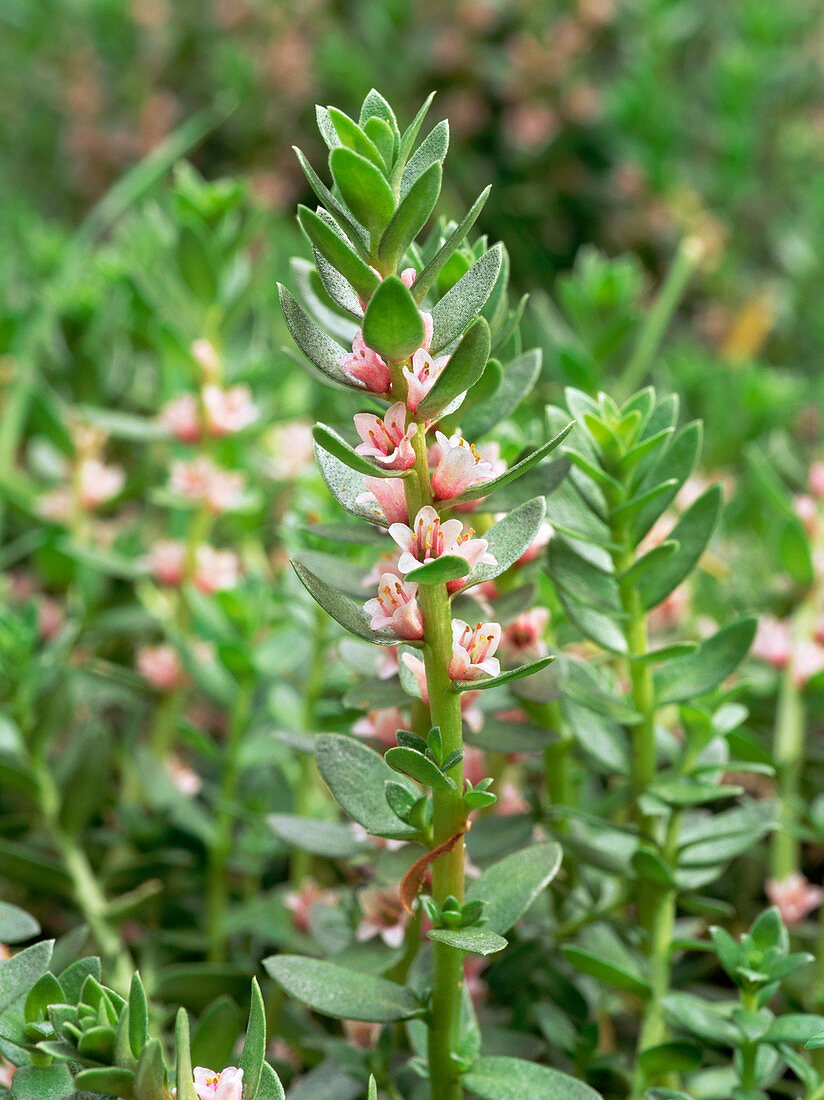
(226, 1085)
(50, 618)
(216, 570)
(408, 276)
(98, 483)
(386, 563)
(524, 637)
(387, 662)
(388, 493)
(160, 666)
(472, 649)
(201, 480)
(181, 416)
(541, 540)
(418, 670)
(367, 366)
(300, 902)
(396, 607)
(388, 441)
(204, 353)
(430, 539)
(471, 714)
(459, 467)
(422, 375)
(772, 643)
(382, 725)
(167, 562)
(228, 411)
(510, 801)
(292, 449)
(815, 480)
(474, 763)
(794, 896)
(806, 509)
(361, 1034)
(187, 781)
(672, 610)
(384, 916)
(807, 661)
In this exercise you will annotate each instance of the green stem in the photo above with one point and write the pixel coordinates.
(88, 895)
(749, 1050)
(448, 813)
(217, 886)
(657, 320)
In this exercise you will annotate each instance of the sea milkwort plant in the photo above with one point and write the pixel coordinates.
(410, 329)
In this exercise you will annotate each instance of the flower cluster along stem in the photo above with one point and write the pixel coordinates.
(449, 816)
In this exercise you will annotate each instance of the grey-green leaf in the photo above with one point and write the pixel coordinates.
(476, 492)
(357, 776)
(418, 767)
(691, 533)
(687, 677)
(462, 304)
(511, 885)
(329, 439)
(19, 973)
(411, 216)
(319, 349)
(349, 613)
(466, 365)
(502, 1078)
(510, 538)
(475, 941)
(506, 677)
(341, 993)
(453, 240)
(392, 325)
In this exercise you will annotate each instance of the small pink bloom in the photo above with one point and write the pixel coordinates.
(387, 662)
(422, 375)
(807, 661)
(382, 725)
(524, 637)
(472, 714)
(384, 916)
(816, 480)
(228, 411)
(50, 618)
(226, 1085)
(367, 367)
(388, 441)
(430, 539)
(181, 416)
(386, 563)
(300, 902)
(167, 561)
(292, 449)
(388, 493)
(772, 643)
(510, 801)
(794, 896)
(160, 666)
(418, 670)
(187, 781)
(459, 467)
(539, 543)
(204, 354)
(98, 483)
(474, 763)
(473, 649)
(396, 607)
(216, 570)
(56, 504)
(476, 987)
(201, 480)
(806, 509)
(671, 612)
(408, 276)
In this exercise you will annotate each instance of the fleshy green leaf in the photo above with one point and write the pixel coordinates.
(138, 1016)
(42, 1082)
(701, 1018)
(353, 137)
(364, 189)
(501, 1078)
(510, 538)
(517, 380)
(411, 216)
(466, 365)
(321, 838)
(507, 677)
(419, 767)
(109, 1080)
(346, 486)
(685, 678)
(609, 973)
(19, 973)
(270, 1087)
(357, 776)
(338, 253)
(677, 1056)
(462, 304)
(432, 150)
(691, 533)
(150, 1075)
(392, 325)
(184, 1078)
(511, 885)
(320, 349)
(342, 608)
(476, 941)
(16, 924)
(332, 443)
(341, 993)
(254, 1046)
(429, 274)
(449, 567)
(354, 231)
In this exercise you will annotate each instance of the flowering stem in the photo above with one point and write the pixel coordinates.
(225, 817)
(301, 861)
(447, 806)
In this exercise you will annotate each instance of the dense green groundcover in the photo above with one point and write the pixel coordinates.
(507, 786)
